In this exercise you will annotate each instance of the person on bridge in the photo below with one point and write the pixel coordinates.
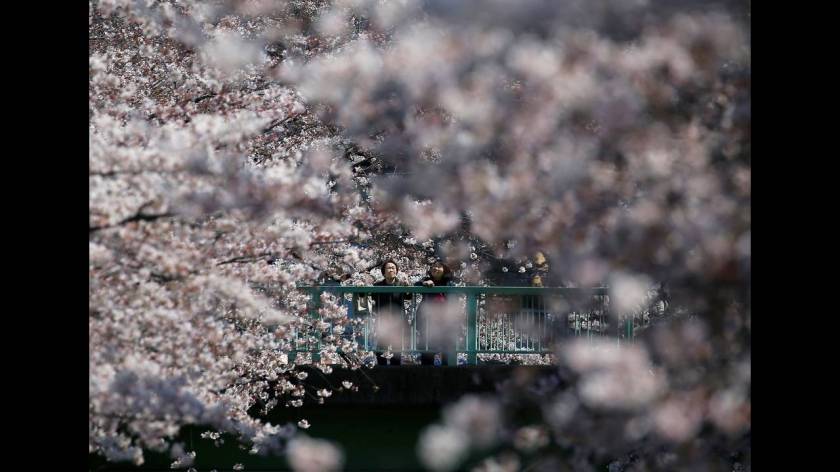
(439, 275)
(390, 301)
(390, 312)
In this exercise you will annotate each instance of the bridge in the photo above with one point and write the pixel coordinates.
(484, 325)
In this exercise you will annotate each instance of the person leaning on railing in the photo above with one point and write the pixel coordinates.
(390, 301)
(439, 275)
(389, 305)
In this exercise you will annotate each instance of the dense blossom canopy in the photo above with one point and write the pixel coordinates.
(240, 148)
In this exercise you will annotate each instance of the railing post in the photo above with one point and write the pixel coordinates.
(472, 320)
(628, 326)
(412, 324)
(315, 303)
(350, 331)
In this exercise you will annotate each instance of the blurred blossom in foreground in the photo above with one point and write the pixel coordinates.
(730, 411)
(314, 455)
(444, 320)
(229, 52)
(530, 438)
(613, 376)
(561, 410)
(441, 448)
(478, 416)
(504, 463)
(679, 418)
(628, 293)
(471, 422)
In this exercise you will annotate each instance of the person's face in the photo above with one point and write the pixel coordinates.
(437, 271)
(389, 271)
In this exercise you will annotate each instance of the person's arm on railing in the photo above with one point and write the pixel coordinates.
(425, 282)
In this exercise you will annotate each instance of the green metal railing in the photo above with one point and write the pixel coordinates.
(494, 320)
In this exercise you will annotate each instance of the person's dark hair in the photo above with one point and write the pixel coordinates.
(446, 269)
(447, 272)
(382, 267)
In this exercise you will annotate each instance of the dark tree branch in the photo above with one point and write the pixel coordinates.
(280, 121)
(115, 173)
(139, 216)
(271, 256)
(203, 97)
(163, 278)
(247, 259)
(146, 217)
(322, 243)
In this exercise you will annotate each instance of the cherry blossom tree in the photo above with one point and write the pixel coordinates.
(197, 240)
(241, 148)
